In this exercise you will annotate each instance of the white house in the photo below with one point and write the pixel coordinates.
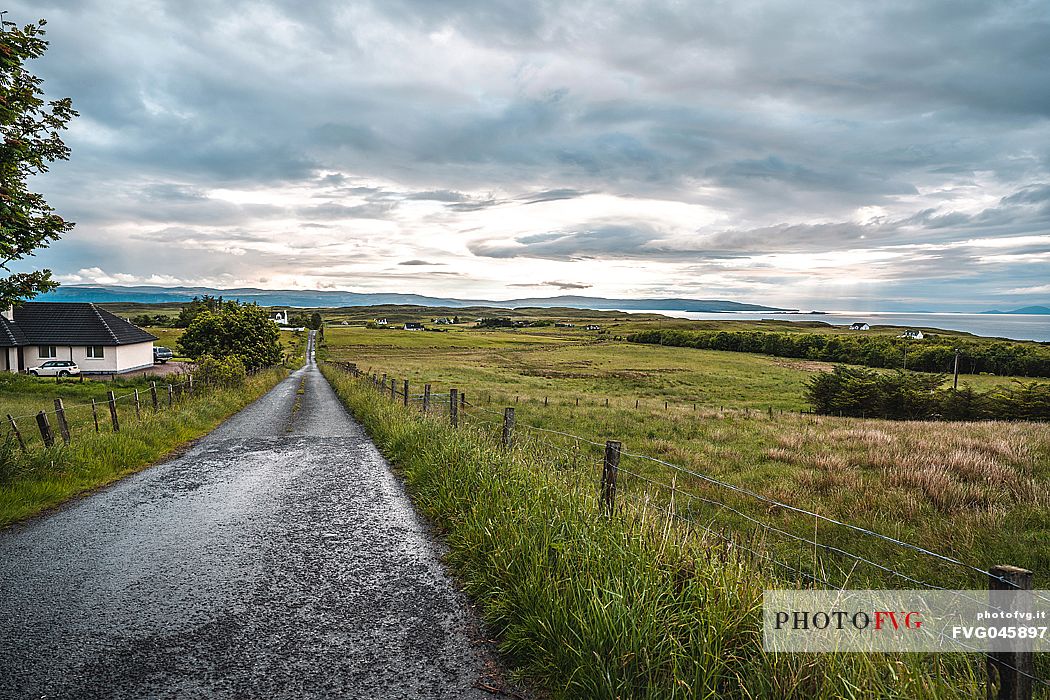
(279, 317)
(911, 335)
(99, 342)
(860, 326)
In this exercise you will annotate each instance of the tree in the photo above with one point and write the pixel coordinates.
(30, 130)
(315, 321)
(197, 305)
(241, 330)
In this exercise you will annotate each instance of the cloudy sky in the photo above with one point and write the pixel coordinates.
(835, 155)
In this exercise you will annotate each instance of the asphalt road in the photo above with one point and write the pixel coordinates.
(277, 558)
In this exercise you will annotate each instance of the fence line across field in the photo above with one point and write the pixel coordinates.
(145, 400)
(609, 490)
(747, 492)
(923, 551)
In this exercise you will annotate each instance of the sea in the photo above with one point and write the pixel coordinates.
(1011, 326)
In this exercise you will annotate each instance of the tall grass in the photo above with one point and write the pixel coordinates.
(41, 478)
(630, 606)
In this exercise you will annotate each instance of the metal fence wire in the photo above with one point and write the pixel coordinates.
(704, 519)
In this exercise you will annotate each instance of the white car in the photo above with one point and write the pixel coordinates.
(55, 368)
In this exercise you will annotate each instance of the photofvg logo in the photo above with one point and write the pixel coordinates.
(905, 620)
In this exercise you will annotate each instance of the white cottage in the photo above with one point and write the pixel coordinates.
(99, 342)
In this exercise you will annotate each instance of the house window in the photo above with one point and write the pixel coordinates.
(47, 351)
(96, 352)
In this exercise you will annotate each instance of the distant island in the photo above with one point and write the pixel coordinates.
(1031, 310)
(333, 298)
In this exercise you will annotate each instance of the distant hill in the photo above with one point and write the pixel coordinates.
(1033, 310)
(326, 298)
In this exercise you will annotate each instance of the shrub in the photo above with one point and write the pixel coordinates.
(860, 392)
(225, 371)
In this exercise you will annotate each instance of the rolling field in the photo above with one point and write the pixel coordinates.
(975, 491)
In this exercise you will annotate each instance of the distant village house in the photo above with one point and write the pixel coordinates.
(592, 327)
(410, 326)
(279, 317)
(911, 335)
(860, 326)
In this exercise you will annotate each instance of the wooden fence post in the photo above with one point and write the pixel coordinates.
(60, 416)
(1013, 669)
(113, 412)
(94, 413)
(426, 398)
(382, 386)
(508, 427)
(189, 386)
(393, 389)
(545, 402)
(453, 408)
(171, 395)
(153, 395)
(610, 467)
(463, 398)
(138, 406)
(16, 431)
(607, 403)
(404, 389)
(45, 429)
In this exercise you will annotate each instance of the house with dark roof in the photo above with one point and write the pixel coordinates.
(99, 342)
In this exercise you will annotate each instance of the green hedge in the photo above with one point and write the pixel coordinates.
(860, 392)
(928, 355)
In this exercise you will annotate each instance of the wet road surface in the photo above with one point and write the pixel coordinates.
(278, 558)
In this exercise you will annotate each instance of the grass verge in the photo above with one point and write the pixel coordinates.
(612, 607)
(42, 478)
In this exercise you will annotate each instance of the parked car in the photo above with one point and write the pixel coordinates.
(55, 368)
(161, 355)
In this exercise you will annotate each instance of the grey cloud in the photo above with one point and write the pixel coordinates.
(439, 196)
(551, 195)
(333, 211)
(601, 240)
(418, 262)
(1035, 194)
(559, 285)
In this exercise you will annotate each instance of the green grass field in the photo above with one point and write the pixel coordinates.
(977, 490)
(646, 604)
(557, 586)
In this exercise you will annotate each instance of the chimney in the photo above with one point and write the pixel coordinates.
(9, 314)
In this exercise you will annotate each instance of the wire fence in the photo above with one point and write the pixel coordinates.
(64, 422)
(735, 515)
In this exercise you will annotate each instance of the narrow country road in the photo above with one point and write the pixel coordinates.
(278, 558)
